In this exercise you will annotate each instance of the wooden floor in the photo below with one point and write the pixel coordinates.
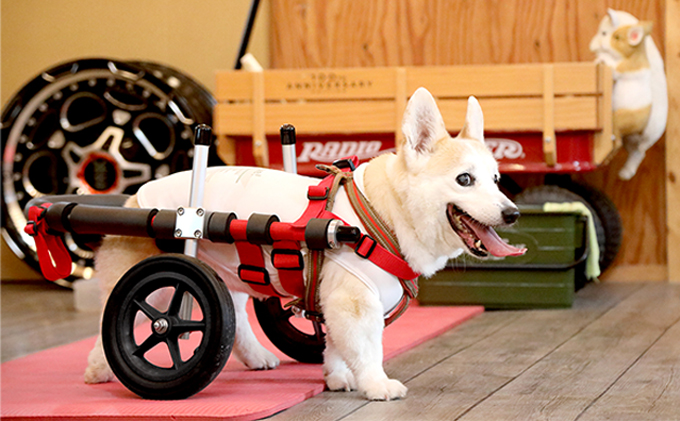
(614, 356)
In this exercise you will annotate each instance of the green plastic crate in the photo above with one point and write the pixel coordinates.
(545, 276)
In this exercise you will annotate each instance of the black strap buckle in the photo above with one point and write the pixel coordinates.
(371, 247)
(344, 163)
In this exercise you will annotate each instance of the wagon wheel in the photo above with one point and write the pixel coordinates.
(606, 217)
(150, 360)
(276, 322)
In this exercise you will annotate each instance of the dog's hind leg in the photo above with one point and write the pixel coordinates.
(354, 322)
(114, 258)
(246, 346)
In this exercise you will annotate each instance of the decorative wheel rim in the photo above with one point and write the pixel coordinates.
(92, 126)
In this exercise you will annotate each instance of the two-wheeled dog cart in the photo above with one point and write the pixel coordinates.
(184, 345)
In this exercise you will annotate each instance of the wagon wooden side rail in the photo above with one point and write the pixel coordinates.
(557, 114)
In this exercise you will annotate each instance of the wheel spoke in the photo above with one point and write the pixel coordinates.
(183, 326)
(318, 332)
(148, 310)
(176, 301)
(173, 347)
(148, 343)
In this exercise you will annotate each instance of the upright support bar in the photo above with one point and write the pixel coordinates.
(202, 141)
(288, 148)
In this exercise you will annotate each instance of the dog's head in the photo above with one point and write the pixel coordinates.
(455, 181)
(618, 36)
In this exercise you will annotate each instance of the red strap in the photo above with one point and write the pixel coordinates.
(317, 202)
(369, 249)
(53, 256)
(286, 257)
(252, 270)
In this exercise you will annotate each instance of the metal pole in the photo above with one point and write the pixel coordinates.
(202, 141)
(245, 38)
(288, 148)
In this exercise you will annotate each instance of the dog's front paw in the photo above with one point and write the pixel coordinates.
(384, 390)
(259, 359)
(340, 380)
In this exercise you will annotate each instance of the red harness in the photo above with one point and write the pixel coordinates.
(379, 247)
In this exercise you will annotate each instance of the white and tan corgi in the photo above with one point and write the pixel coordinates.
(438, 194)
(639, 97)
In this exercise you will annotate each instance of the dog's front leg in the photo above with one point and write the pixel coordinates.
(354, 322)
(246, 346)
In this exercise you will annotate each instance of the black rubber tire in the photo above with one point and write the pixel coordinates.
(299, 345)
(606, 218)
(609, 218)
(128, 359)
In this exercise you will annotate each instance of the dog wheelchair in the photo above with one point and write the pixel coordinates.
(200, 304)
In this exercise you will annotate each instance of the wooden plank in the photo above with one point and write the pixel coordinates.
(673, 139)
(309, 84)
(400, 99)
(501, 80)
(568, 380)
(461, 381)
(500, 114)
(549, 138)
(649, 391)
(334, 405)
(431, 356)
(234, 86)
(604, 144)
(380, 83)
(260, 147)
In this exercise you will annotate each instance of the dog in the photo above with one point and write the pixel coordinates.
(639, 96)
(438, 194)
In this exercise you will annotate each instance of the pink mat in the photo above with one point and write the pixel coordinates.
(48, 385)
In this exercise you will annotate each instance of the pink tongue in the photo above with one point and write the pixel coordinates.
(493, 243)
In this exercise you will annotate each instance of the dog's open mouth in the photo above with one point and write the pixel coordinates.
(480, 239)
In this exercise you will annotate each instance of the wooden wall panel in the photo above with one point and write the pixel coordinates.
(340, 33)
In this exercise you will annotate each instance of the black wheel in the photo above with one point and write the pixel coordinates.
(304, 341)
(92, 126)
(151, 360)
(606, 218)
(609, 218)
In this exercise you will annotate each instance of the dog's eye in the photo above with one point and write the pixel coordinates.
(465, 179)
(496, 178)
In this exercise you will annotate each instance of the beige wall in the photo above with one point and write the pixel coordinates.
(197, 37)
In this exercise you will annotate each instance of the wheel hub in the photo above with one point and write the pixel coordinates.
(161, 326)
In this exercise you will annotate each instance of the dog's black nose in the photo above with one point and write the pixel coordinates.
(510, 214)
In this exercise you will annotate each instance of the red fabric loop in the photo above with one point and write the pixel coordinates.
(53, 256)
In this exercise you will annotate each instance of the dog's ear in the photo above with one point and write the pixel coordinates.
(423, 124)
(474, 121)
